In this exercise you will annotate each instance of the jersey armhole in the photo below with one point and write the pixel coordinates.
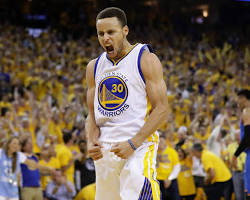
(96, 63)
(144, 47)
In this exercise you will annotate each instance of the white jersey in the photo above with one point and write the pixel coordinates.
(120, 103)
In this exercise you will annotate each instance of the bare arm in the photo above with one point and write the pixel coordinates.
(34, 165)
(157, 93)
(210, 175)
(92, 130)
(71, 162)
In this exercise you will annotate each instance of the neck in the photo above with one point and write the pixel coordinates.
(126, 47)
(69, 144)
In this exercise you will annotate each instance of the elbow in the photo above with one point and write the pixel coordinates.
(213, 174)
(163, 111)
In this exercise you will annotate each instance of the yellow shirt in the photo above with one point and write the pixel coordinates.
(166, 161)
(64, 155)
(87, 193)
(210, 160)
(185, 179)
(54, 163)
(74, 149)
(31, 131)
(56, 130)
(240, 160)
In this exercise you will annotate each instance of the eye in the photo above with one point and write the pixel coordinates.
(100, 34)
(111, 32)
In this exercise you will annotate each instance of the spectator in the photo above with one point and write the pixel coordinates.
(10, 161)
(237, 168)
(218, 180)
(66, 158)
(48, 159)
(84, 168)
(168, 168)
(30, 182)
(185, 178)
(60, 188)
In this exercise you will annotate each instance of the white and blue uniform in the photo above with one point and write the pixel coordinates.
(121, 108)
(8, 180)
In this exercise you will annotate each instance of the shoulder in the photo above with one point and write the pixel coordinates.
(148, 58)
(91, 65)
(90, 72)
(208, 154)
(150, 65)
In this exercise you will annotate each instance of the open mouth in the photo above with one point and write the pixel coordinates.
(110, 49)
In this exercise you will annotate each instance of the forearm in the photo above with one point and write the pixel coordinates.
(44, 170)
(154, 121)
(209, 176)
(245, 142)
(92, 130)
(54, 191)
(34, 165)
(69, 189)
(175, 172)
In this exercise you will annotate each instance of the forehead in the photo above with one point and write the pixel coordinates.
(15, 140)
(107, 24)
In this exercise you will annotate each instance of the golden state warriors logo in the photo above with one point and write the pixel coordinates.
(112, 93)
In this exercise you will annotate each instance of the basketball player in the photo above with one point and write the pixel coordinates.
(244, 104)
(123, 82)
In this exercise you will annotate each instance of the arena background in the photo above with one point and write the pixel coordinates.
(45, 46)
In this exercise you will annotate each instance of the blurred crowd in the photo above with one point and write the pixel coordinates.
(43, 102)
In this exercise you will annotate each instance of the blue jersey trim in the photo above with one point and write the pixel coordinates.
(146, 192)
(139, 59)
(110, 59)
(96, 63)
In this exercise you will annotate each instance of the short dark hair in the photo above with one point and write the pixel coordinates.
(245, 93)
(82, 141)
(113, 12)
(67, 137)
(197, 147)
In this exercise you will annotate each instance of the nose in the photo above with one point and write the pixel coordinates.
(106, 37)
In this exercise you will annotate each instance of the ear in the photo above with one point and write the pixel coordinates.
(125, 30)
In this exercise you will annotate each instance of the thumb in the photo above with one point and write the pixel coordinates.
(98, 143)
(114, 148)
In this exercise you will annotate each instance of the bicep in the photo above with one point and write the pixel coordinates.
(155, 85)
(91, 86)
